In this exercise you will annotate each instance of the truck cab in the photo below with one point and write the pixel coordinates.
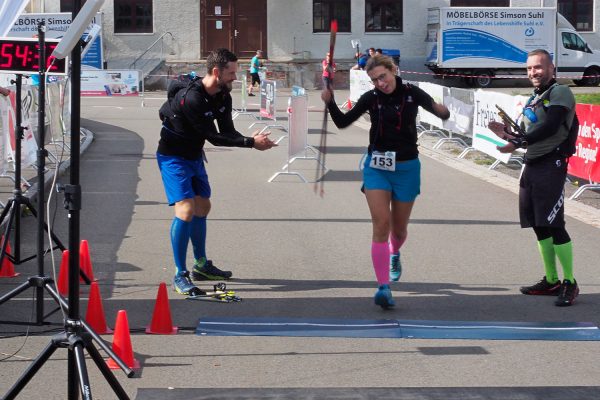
(575, 59)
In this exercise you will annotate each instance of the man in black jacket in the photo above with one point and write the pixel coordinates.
(188, 122)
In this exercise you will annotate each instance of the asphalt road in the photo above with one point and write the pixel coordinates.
(298, 255)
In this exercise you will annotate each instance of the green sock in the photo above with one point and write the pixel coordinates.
(546, 248)
(200, 262)
(564, 252)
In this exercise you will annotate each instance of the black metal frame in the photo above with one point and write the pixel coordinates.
(77, 334)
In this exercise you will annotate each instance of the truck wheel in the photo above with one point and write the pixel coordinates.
(592, 77)
(484, 80)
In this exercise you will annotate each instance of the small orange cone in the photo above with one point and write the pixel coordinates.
(122, 343)
(7, 270)
(85, 261)
(94, 315)
(161, 317)
(63, 275)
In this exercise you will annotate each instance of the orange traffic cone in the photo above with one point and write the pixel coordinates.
(7, 270)
(122, 343)
(85, 261)
(94, 315)
(63, 275)
(161, 317)
(349, 104)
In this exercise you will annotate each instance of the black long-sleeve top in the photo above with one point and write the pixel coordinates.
(189, 121)
(393, 118)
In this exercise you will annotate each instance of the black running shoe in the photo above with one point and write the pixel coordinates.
(568, 292)
(542, 288)
(208, 272)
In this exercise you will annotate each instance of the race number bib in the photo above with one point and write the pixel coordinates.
(384, 161)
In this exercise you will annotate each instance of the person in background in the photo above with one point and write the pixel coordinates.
(392, 170)
(379, 52)
(4, 91)
(551, 128)
(255, 65)
(361, 61)
(328, 70)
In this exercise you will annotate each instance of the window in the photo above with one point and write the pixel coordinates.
(580, 13)
(479, 3)
(383, 16)
(326, 10)
(133, 16)
(572, 41)
(67, 5)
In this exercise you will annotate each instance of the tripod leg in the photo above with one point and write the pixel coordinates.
(15, 292)
(9, 207)
(35, 214)
(128, 371)
(108, 375)
(82, 374)
(31, 371)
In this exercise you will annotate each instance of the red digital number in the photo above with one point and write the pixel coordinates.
(49, 50)
(6, 53)
(21, 52)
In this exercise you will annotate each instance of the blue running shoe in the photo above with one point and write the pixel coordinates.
(383, 297)
(182, 284)
(395, 267)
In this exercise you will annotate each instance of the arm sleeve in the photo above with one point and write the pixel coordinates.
(555, 117)
(226, 135)
(423, 99)
(342, 120)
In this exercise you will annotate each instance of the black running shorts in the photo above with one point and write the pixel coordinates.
(542, 193)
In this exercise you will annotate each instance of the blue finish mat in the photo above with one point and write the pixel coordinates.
(385, 328)
(305, 327)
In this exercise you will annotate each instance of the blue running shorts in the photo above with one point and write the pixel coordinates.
(182, 178)
(404, 183)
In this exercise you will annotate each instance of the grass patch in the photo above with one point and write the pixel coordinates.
(588, 98)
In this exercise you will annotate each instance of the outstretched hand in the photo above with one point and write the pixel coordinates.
(262, 141)
(500, 130)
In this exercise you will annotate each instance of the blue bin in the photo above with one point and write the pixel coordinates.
(395, 54)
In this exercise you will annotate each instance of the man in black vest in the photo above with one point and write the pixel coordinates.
(550, 126)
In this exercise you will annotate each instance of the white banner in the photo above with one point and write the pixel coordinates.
(359, 84)
(437, 92)
(298, 124)
(28, 109)
(461, 115)
(110, 83)
(484, 112)
(26, 25)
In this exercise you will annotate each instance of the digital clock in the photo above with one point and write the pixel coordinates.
(21, 55)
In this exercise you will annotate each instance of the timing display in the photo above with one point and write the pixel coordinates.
(21, 55)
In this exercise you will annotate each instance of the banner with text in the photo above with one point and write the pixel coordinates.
(110, 83)
(584, 163)
(484, 112)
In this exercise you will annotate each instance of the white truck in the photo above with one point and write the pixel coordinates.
(478, 44)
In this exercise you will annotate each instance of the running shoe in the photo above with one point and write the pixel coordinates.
(208, 272)
(395, 267)
(182, 284)
(542, 288)
(383, 297)
(568, 291)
